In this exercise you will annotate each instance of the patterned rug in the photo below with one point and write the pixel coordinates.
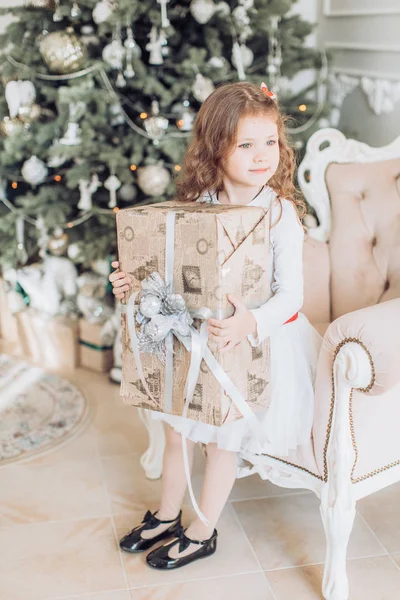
(38, 410)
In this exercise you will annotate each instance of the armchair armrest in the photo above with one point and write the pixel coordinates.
(360, 351)
(375, 329)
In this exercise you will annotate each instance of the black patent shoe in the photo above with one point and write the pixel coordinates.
(159, 558)
(133, 541)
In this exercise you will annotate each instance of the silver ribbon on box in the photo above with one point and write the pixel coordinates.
(163, 315)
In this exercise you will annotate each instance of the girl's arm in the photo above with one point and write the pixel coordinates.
(287, 238)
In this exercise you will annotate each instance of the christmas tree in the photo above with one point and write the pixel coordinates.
(98, 100)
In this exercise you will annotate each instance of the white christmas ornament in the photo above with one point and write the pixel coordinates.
(153, 179)
(88, 36)
(102, 11)
(223, 9)
(202, 10)
(43, 236)
(22, 255)
(34, 171)
(76, 12)
(72, 136)
(76, 252)
(117, 116)
(120, 82)
(131, 49)
(57, 155)
(164, 18)
(112, 184)
(240, 15)
(185, 121)
(216, 62)
(156, 126)
(242, 58)
(87, 189)
(113, 54)
(155, 47)
(131, 45)
(19, 94)
(202, 87)
(127, 192)
(57, 15)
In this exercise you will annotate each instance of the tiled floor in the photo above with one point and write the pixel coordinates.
(61, 516)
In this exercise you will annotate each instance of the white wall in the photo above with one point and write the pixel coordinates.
(363, 38)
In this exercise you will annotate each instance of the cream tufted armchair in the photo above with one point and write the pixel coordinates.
(352, 296)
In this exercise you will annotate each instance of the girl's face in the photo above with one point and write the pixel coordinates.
(255, 155)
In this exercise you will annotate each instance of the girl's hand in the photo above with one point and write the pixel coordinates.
(121, 283)
(230, 332)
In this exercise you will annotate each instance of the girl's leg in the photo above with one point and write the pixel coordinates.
(173, 481)
(220, 475)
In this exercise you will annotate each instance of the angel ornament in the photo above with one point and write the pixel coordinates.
(155, 47)
(87, 189)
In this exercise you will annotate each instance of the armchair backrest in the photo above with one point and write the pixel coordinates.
(355, 191)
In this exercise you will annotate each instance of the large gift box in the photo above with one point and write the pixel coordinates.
(51, 342)
(95, 348)
(202, 252)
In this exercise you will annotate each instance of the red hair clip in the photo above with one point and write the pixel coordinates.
(267, 92)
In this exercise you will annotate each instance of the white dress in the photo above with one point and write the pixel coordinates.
(295, 347)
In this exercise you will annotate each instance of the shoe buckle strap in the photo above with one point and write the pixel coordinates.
(184, 541)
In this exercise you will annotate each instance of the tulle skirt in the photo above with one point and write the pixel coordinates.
(287, 423)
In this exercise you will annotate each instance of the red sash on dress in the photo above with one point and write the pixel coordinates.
(294, 318)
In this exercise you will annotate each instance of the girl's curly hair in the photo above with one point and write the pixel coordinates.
(214, 137)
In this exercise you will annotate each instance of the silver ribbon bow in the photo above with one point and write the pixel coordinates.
(160, 314)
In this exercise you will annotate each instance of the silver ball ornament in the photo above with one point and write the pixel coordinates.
(150, 305)
(127, 192)
(34, 171)
(153, 179)
(157, 328)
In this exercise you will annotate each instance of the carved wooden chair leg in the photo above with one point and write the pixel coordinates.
(152, 459)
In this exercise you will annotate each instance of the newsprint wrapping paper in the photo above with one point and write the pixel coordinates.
(218, 249)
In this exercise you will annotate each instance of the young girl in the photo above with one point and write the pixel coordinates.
(239, 155)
